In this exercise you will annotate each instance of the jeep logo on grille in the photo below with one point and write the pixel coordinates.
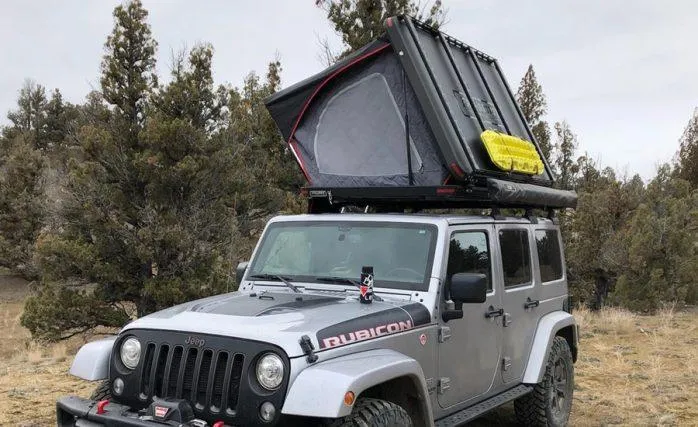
(195, 341)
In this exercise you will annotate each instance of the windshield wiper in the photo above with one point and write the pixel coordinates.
(275, 277)
(345, 280)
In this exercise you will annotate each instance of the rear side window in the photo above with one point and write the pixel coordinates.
(549, 255)
(516, 257)
(469, 253)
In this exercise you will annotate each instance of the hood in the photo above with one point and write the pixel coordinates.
(282, 318)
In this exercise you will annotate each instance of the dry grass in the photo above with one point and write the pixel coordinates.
(633, 370)
(32, 375)
(637, 370)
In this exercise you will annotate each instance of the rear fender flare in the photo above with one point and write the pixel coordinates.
(318, 391)
(548, 327)
(92, 361)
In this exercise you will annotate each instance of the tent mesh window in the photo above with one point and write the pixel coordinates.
(360, 132)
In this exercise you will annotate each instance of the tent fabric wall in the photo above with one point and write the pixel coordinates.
(352, 134)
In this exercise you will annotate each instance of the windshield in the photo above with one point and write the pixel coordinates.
(401, 254)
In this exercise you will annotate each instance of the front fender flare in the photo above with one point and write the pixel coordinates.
(318, 391)
(92, 361)
(548, 326)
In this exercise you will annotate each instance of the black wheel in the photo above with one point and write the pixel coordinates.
(550, 403)
(102, 392)
(374, 413)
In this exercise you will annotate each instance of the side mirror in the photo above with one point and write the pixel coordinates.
(468, 288)
(240, 271)
(465, 288)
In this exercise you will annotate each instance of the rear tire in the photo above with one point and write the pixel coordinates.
(102, 392)
(374, 413)
(550, 403)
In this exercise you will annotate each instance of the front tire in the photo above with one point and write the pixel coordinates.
(102, 392)
(550, 403)
(374, 413)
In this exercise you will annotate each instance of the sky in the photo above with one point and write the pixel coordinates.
(623, 74)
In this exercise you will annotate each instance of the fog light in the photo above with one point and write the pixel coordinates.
(267, 411)
(118, 386)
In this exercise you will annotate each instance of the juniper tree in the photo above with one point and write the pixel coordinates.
(98, 239)
(21, 210)
(193, 175)
(687, 157)
(660, 246)
(60, 117)
(534, 106)
(275, 178)
(29, 118)
(564, 159)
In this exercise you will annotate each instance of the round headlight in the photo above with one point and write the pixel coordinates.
(130, 353)
(270, 371)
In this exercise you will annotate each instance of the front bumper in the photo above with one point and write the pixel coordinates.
(73, 411)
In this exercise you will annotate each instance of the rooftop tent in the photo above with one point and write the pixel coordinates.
(414, 109)
(346, 125)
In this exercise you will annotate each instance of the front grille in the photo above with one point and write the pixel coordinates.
(208, 379)
(217, 379)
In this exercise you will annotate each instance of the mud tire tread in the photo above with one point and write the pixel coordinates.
(369, 412)
(102, 392)
(532, 409)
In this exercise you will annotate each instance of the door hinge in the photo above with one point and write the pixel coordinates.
(506, 363)
(506, 320)
(431, 385)
(444, 334)
(444, 384)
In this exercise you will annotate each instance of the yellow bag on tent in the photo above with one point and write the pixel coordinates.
(512, 154)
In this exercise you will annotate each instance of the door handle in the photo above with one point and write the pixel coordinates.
(531, 303)
(491, 312)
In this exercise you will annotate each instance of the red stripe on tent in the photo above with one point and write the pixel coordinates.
(296, 153)
(337, 72)
(330, 77)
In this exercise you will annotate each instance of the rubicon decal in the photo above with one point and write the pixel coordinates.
(381, 323)
(364, 334)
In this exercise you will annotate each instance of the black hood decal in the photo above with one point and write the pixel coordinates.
(374, 325)
(264, 304)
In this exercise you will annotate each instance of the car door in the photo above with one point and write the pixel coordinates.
(519, 298)
(470, 346)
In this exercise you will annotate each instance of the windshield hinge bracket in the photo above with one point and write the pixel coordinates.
(308, 349)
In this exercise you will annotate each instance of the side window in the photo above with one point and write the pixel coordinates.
(516, 257)
(549, 255)
(469, 253)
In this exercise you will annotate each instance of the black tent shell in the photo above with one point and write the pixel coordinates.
(407, 110)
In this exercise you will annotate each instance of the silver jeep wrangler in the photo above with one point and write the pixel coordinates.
(373, 319)
(465, 313)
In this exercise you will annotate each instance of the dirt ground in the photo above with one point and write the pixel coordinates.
(632, 370)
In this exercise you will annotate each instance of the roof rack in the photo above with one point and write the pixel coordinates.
(488, 193)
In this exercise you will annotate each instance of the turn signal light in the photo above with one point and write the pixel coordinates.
(349, 398)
